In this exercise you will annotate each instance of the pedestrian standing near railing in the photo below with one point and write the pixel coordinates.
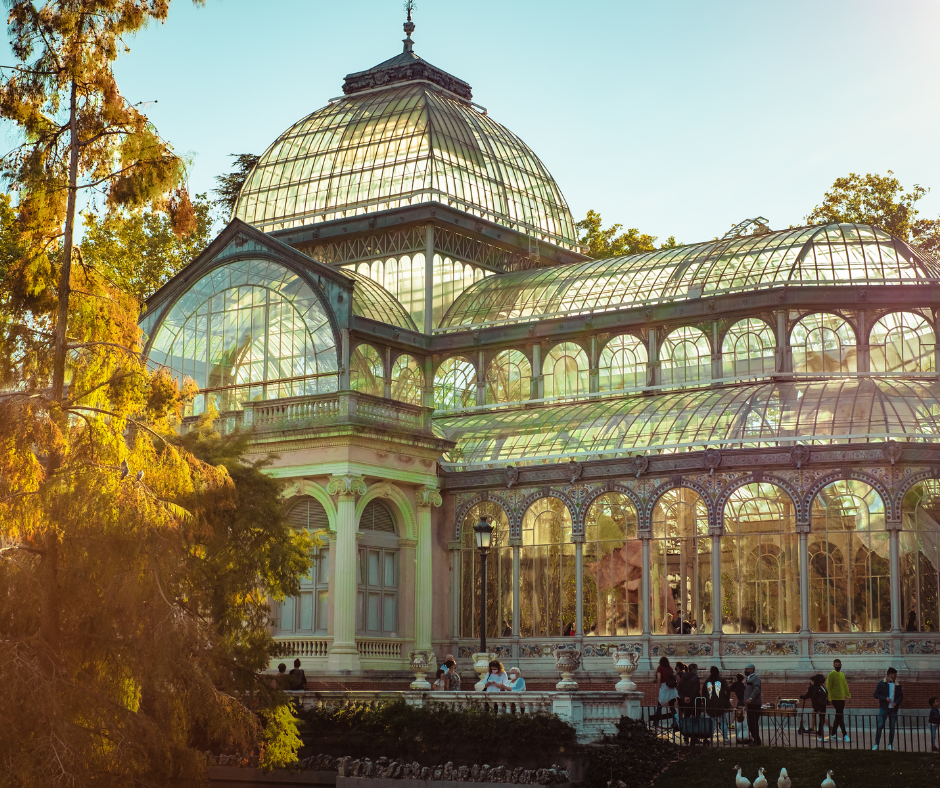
(934, 721)
(838, 688)
(753, 701)
(890, 696)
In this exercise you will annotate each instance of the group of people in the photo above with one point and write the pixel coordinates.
(682, 691)
(497, 678)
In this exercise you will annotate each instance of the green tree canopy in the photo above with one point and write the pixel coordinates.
(230, 185)
(139, 251)
(882, 201)
(603, 243)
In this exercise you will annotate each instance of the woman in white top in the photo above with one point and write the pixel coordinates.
(516, 682)
(496, 679)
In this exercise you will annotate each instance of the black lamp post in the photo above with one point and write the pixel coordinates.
(484, 535)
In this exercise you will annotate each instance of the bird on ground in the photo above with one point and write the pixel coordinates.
(828, 782)
(124, 470)
(783, 781)
(740, 781)
(761, 781)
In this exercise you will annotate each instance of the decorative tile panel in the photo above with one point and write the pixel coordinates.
(680, 650)
(851, 647)
(609, 649)
(760, 648)
(922, 647)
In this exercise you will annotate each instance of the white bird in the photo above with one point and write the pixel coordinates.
(761, 781)
(783, 781)
(740, 781)
(828, 782)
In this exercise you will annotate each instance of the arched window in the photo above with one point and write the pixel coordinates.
(680, 558)
(451, 278)
(249, 330)
(377, 592)
(547, 571)
(403, 277)
(685, 357)
(920, 558)
(407, 380)
(760, 562)
(508, 378)
(823, 343)
(308, 612)
(499, 583)
(849, 572)
(748, 349)
(566, 371)
(365, 371)
(612, 568)
(902, 342)
(622, 364)
(455, 384)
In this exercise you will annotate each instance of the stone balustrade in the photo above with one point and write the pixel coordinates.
(304, 647)
(592, 714)
(379, 649)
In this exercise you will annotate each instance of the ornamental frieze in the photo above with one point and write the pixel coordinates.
(760, 648)
(851, 647)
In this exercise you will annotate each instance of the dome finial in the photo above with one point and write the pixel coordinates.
(409, 26)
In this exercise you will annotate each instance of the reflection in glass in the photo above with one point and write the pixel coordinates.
(499, 583)
(407, 380)
(902, 342)
(823, 343)
(566, 370)
(455, 384)
(365, 371)
(686, 357)
(508, 378)
(612, 568)
(920, 558)
(849, 560)
(748, 349)
(622, 364)
(547, 570)
(680, 557)
(760, 562)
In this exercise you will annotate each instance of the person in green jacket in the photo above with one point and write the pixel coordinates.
(838, 689)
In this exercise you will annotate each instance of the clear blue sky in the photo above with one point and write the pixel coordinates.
(676, 117)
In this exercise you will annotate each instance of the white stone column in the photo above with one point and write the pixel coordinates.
(894, 534)
(804, 580)
(579, 588)
(716, 586)
(343, 653)
(425, 498)
(516, 581)
(645, 585)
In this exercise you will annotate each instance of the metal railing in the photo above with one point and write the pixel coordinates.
(793, 728)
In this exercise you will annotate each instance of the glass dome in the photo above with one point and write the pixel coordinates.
(733, 417)
(407, 143)
(837, 254)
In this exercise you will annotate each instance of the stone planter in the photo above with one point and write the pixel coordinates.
(421, 664)
(567, 660)
(625, 663)
(481, 664)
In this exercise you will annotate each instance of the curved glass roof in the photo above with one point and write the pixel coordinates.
(821, 255)
(835, 411)
(409, 143)
(372, 300)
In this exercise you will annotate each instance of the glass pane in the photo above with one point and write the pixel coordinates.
(323, 610)
(306, 612)
(372, 616)
(373, 567)
(390, 614)
(286, 621)
(390, 581)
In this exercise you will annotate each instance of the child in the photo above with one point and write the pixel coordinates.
(934, 721)
(439, 681)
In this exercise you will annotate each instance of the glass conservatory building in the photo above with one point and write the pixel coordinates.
(727, 450)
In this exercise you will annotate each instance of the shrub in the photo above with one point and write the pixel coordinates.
(635, 756)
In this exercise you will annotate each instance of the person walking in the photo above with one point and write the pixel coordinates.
(667, 689)
(890, 696)
(717, 700)
(818, 697)
(752, 702)
(740, 721)
(838, 688)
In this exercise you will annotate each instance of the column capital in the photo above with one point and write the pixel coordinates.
(426, 497)
(892, 525)
(407, 543)
(346, 486)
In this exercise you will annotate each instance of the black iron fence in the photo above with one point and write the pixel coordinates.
(794, 727)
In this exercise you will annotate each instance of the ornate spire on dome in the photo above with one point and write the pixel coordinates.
(409, 26)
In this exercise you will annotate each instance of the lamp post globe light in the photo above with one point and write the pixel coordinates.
(483, 532)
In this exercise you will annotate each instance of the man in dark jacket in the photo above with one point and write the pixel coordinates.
(690, 688)
(752, 702)
(890, 695)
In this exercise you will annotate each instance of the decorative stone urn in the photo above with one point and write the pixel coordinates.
(421, 665)
(625, 663)
(481, 664)
(567, 660)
